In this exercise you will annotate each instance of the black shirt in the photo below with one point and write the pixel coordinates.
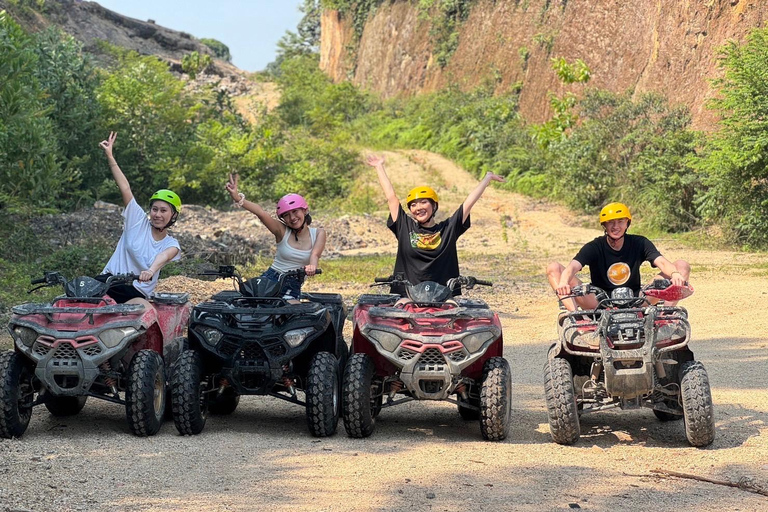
(427, 254)
(610, 269)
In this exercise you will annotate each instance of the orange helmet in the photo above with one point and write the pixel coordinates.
(421, 193)
(615, 211)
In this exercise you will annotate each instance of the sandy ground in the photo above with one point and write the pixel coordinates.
(423, 456)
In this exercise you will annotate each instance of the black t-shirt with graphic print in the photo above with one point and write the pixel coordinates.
(427, 254)
(610, 269)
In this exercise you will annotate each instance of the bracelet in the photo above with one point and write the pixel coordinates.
(241, 201)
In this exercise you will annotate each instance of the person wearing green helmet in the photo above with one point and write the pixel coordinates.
(145, 246)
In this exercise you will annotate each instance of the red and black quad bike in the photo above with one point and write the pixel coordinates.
(83, 344)
(251, 341)
(630, 354)
(433, 348)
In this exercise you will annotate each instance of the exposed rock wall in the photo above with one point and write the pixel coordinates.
(89, 22)
(668, 46)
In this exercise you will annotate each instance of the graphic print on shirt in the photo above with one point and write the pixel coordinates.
(427, 241)
(618, 273)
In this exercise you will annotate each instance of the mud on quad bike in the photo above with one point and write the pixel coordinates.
(82, 345)
(251, 341)
(433, 348)
(630, 354)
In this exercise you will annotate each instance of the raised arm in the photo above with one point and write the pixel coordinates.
(117, 174)
(473, 196)
(160, 261)
(275, 227)
(317, 250)
(377, 162)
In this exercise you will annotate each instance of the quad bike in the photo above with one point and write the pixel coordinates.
(627, 353)
(82, 345)
(434, 347)
(251, 341)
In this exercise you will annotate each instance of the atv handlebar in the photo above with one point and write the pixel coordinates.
(468, 282)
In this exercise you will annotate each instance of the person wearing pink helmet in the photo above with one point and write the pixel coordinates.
(298, 245)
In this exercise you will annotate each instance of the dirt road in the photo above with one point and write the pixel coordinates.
(423, 456)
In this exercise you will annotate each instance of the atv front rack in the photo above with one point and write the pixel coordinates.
(48, 310)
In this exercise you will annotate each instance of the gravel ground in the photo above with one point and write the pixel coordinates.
(423, 456)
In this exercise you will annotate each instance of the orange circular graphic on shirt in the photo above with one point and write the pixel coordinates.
(618, 273)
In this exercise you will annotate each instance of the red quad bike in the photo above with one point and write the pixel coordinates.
(433, 348)
(82, 345)
(630, 354)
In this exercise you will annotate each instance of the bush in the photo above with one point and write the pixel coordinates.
(220, 50)
(735, 160)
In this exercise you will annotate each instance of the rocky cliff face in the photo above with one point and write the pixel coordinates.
(89, 22)
(667, 46)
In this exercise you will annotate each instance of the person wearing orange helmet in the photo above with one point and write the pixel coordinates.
(145, 246)
(614, 260)
(426, 249)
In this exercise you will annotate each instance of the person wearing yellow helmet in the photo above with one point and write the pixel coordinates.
(145, 246)
(426, 250)
(614, 260)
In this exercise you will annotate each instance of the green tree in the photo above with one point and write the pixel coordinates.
(220, 50)
(735, 159)
(29, 163)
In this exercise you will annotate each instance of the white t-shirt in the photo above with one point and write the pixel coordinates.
(136, 249)
(289, 258)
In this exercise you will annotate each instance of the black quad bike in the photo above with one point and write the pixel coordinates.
(435, 347)
(83, 344)
(630, 354)
(251, 341)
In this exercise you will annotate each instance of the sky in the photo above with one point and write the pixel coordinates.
(250, 28)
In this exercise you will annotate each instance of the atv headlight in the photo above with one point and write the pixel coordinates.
(112, 337)
(389, 341)
(25, 335)
(475, 342)
(297, 336)
(212, 336)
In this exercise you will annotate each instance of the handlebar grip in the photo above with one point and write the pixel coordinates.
(38, 281)
(382, 279)
(483, 282)
(318, 271)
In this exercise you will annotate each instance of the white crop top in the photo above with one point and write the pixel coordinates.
(289, 258)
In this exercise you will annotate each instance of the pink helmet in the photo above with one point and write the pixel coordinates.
(291, 202)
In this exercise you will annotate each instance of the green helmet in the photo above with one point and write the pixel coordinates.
(169, 196)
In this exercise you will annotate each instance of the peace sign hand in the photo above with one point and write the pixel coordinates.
(107, 145)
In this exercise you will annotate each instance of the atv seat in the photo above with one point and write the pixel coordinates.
(226, 295)
(170, 298)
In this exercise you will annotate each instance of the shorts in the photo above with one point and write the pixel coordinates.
(291, 288)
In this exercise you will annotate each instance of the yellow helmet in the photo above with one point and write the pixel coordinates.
(421, 193)
(615, 211)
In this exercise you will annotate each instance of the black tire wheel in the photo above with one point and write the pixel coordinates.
(322, 395)
(697, 404)
(467, 413)
(224, 404)
(667, 416)
(145, 393)
(188, 400)
(16, 395)
(65, 405)
(358, 404)
(561, 402)
(496, 399)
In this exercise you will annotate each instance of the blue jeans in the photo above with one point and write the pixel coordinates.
(291, 288)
